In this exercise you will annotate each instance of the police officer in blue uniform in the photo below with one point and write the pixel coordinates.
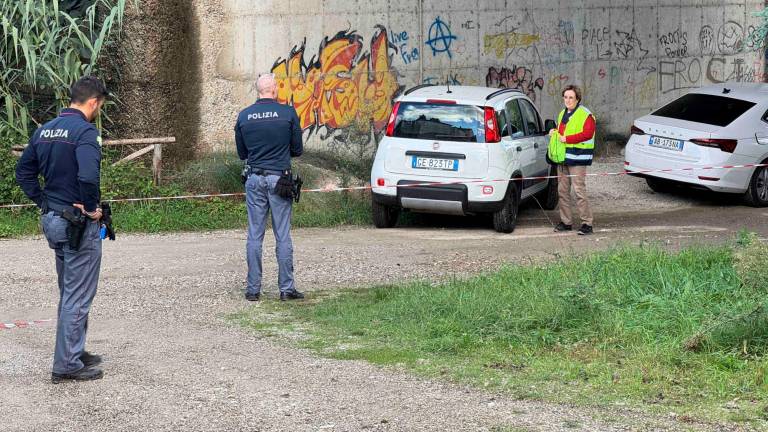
(67, 152)
(268, 135)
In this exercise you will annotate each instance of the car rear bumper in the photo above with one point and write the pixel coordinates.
(442, 199)
(732, 180)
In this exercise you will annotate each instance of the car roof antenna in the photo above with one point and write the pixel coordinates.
(726, 90)
(448, 78)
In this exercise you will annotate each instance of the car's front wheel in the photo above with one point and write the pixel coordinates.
(757, 192)
(384, 216)
(504, 220)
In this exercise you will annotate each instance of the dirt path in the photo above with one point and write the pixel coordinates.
(173, 362)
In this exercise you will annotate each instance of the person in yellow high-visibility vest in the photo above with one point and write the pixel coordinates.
(571, 147)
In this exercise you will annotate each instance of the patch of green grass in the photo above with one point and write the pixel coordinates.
(319, 210)
(610, 327)
(216, 173)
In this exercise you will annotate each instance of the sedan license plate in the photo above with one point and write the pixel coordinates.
(666, 143)
(435, 163)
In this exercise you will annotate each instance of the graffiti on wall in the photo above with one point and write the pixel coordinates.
(674, 43)
(402, 41)
(341, 85)
(517, 77)
(440, 38)
(499, 43)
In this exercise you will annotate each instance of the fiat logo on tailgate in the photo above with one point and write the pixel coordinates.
(435, 145)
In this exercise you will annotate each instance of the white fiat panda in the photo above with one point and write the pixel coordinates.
(455, 145)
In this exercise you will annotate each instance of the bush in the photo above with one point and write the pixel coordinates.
(9, 190)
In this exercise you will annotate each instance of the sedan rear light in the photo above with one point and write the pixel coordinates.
(492, 133)
(726, 145)
(381, 182)
(634, 130)
(442, 101)
(391, 123)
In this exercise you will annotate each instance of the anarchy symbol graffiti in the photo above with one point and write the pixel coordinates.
(440, 37)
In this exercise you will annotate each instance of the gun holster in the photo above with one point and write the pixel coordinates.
(284, 186)
(297, 184)
(78, 222)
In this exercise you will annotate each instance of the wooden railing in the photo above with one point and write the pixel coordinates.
(154, 145)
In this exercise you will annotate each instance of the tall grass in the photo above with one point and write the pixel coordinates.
(43, 51)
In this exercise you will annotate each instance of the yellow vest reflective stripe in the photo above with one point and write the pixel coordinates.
(578, 153)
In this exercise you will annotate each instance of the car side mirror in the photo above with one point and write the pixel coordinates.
(549, 124)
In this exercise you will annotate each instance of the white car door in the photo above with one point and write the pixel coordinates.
(535, 130)
(520, 142)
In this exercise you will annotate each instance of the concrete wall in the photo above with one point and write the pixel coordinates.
(158, 82)
(341, 62)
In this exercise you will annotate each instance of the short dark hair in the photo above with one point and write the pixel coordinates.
(575, 89)
(86, 88)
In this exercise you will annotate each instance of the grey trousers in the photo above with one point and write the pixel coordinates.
(78, 276)
(260, 197)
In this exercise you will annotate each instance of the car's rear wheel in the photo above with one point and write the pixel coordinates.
(384, 216)
(504, 220)
(757, 192)
(659, 185)
(548, 198)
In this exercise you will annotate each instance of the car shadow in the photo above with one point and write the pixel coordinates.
(528, 214)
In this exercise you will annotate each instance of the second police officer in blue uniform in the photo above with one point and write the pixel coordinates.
(67, 152)
(268, 135)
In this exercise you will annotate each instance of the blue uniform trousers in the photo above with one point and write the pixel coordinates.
(78, 276)
(260, 198)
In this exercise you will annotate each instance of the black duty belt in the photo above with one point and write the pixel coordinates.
(58, 209)
(263, 172)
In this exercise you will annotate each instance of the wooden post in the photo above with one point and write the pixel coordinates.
(157, 161)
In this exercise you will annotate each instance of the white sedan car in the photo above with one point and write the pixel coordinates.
(714, 126)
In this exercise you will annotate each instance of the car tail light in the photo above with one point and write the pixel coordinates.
(442, 101)
(634, 130)
(381, 182)
(626, 163)
(391, 123)
(492, 133)
(487, 190)
(726, 145)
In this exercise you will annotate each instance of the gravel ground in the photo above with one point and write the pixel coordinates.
(173, 362)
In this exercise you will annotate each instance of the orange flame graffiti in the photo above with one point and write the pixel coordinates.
(342, 86)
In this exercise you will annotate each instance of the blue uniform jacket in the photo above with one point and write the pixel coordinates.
(67, 152)
(268, 135)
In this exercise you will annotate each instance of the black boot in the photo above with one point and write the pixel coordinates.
(89, 359)
(84, 374)
(291, 295)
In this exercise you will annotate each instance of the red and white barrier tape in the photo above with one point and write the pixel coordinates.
(24, 324)
(369, 187)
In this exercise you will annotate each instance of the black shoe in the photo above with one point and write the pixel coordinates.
(253, 297)
(563, 227)
(291, 295)
(585, 229)
(89, 359)
(84, 374)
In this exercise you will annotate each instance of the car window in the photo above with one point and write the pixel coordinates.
(704, 108)
(514, 119)
(502, 119)
(531, 118)
(446, 122)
